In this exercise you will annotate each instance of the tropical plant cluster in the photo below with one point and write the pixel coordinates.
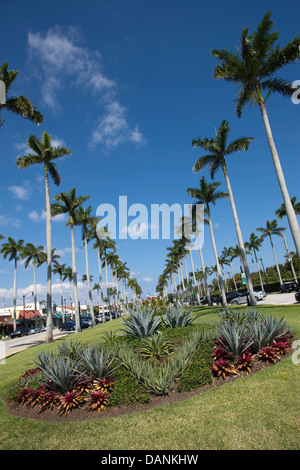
(244, 338)
(71, 377)
(151, 356)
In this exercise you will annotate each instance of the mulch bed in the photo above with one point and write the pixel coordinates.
(83, 414)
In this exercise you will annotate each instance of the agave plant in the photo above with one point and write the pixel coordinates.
(62, 372)
(142, 323)
(232, 339)
(267, 330)
(96, 363)
(177, 316)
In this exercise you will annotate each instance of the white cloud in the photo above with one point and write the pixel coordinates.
(60, 58)
(23, 192)
(5, 220)
(35, 217)
(113, 128)
(148, 279)
(62, 62)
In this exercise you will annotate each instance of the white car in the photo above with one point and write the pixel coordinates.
(260, 295)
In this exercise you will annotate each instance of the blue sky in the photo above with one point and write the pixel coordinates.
(126, 86)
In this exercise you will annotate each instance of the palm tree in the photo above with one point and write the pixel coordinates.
(208, 194)
(11, 249)
(86, 220)
(19, 105)
(60, 269)
(218, 150)
(98, 246)
(68, 274)
(45, 154)
(227, 255)
(68, 203)
(253, 245)
(253, 68)
(281, 212)
(34, 254)
(272, 229)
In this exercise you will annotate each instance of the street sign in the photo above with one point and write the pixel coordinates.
(244, 280)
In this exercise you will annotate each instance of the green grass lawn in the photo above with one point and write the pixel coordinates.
(260, 411)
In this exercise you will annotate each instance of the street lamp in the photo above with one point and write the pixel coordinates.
(24, 296)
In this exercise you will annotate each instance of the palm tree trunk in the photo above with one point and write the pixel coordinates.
(62, 300)
(235, 286)
(221, 283)
(74, 274)
(240, 238)
(101, 286)
(204, 271)
(34, 290)
(49, 321)
(106, 277)
(275, 258)
(88, 281)
(260, 278)
(290, 212)
(15, 296)
(194, 277)
(290, 259)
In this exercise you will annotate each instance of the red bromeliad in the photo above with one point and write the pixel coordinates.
(98, 401)
(70, 401)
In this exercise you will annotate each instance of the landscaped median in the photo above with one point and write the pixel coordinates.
(110, 376)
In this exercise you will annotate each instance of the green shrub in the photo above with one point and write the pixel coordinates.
(198, 373)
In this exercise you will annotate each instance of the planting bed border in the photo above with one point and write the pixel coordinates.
(82, 414)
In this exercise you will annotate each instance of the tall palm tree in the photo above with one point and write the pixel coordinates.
(19, 105)
(60, 269)
(98, 245)
(208, 194)
(218, 150)
(33, 254)
(68, 275)
(227, 255)
(281, 212)
(253, 68)
(68, 203)
(253, 245)
(270, 229)
(86, 220)
(11, 249)
(45, 154)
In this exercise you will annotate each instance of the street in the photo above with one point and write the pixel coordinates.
(12, 346)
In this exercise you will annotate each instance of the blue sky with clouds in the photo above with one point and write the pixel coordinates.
(126, 86)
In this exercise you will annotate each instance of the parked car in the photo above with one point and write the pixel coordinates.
(239, 299)
(34, 329)
(259, 295)
(20, 331)
(297, 296)
(289, 286)
(68, 326)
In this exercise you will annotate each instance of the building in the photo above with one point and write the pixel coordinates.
(23, 312)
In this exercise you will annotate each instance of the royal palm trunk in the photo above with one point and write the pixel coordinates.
(290, 212)
(49, 321)
(240, 238)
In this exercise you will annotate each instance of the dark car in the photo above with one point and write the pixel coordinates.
(297, 296)
(68, 326)
(289, 286)
(20, 331)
